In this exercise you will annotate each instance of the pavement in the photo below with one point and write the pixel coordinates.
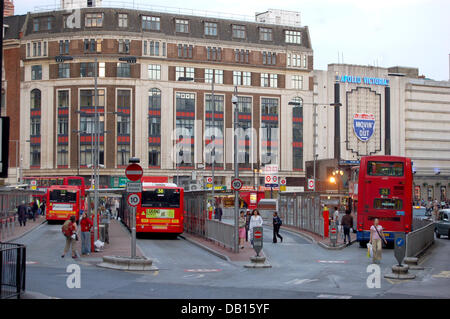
(300, 269)
(20, 231)
(119, 243)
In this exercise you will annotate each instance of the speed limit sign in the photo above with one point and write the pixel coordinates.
(236, 184)
(133, 199)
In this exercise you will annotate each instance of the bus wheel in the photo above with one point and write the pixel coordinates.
(437, 233)
(363, 244)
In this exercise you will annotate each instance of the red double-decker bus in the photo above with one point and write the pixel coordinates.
(44, 182)
(384, 192)
(62, 202)
(161, 209)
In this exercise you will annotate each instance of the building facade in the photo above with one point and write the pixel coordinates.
(165, 85)
(384, 111)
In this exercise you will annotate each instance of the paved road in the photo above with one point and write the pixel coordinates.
(300, 270)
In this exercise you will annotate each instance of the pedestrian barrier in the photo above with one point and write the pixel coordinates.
(12, 270)
(301, 210)
(220, 232)
(419, 240)
(196, 220)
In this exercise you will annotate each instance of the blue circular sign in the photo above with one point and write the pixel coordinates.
(400, 242)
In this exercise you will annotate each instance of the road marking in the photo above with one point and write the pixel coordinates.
(442, 274)
(31, 262)
(300, 281)
(334, 296)
(194, 276)
(202, 270)
(332, 261)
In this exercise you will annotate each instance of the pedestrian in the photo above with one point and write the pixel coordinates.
(69, 230)
(43, 207)
(276, 227)
(336, 217)
(34, 210)
(248, 216)
(347, 224)
(218, 213)
(105, 221)
(242, 223)
(22, 212)
(255, 221)
(86, 225)
(116, 206)
(376, 236)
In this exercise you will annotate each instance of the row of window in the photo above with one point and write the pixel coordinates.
(153, 23)
(87, 69)
(184, 102)
(156, 48)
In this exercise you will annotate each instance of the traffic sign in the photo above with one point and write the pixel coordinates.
(257, 239)
(134, 187)
(236, 184)
(134, 172)
(310, 183)
(271, 172)
(283, 181)
(400, 247)
(133, 199)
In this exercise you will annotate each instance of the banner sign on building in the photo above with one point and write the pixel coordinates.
(362, 80)
(363, 126)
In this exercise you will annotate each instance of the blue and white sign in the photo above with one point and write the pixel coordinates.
(363, 126)
(399, 241)
(358, 80)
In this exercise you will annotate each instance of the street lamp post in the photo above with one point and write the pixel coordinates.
(236, 171)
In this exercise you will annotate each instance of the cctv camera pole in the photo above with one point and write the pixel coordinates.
(236, 171)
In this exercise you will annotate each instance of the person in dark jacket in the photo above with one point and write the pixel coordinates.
(218, 213)
(276, 227)
(247, 223)
(347, 223)
(34, 210)
(22, 212)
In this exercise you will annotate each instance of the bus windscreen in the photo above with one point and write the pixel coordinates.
(161, 197)
(63, 196)
(74, 182)
(385, 168)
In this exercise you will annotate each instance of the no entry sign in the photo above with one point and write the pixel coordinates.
(134, 172)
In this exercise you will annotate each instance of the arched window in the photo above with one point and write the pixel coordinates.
(35, 99)
(154, 99)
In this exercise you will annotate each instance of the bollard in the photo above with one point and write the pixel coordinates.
(92, 241)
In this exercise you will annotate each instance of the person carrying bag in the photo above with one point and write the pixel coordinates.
(376, 240)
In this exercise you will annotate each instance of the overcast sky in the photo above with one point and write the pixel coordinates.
(412, 33)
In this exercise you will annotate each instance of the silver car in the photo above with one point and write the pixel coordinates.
(443, 224)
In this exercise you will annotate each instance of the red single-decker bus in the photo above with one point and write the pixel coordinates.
(63, 202)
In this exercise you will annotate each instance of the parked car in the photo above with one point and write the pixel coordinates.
(443, 223)
(420, 212)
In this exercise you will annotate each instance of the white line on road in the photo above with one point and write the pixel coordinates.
(334, 296)
(332, 261)
(300, 281)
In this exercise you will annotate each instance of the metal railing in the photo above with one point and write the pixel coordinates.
(197, 222)
(419, 240)
(301, 210)
(12, 270)
(220, 232)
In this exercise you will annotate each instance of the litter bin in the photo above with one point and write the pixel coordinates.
(102, 232)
